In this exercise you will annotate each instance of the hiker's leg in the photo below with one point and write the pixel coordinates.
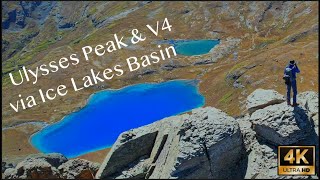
(295, 91)
(288, 92)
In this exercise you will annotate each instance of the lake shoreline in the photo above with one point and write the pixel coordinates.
(194, 82)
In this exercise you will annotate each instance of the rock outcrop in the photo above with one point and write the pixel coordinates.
(78, 169)
(233, 76)
(52, 166)
(37, 167)
(310, 101)
(278, 124)
(202, 144)
(205, 144)
(261, 98)
(225, 47)
(172, 64)
(205, 61)
(282, 124)
(5, 165)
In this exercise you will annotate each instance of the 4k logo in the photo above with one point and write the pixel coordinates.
(296, 160)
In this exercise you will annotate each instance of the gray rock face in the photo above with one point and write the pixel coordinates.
(282, 124)
(205, 61)
(185, 146)
(237, 84)
(130, 147)
(205, 144)
(147, 72)
(52, 166)
(233, 76)
(210, 144)
(134, 148)
(37, 166)
(5, 165)
(55, 159)
(294, 37)
(310, 100)
(78, 169)
(262, 161)
(261, 98)
(277, 124)
(208, 136)
(247, 132)
(172, 64)
(225, 47)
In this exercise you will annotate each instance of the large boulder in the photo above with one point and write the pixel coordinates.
(281, 124)
(55, 159)
(204, 144)
(130, 150)
(278, 124)
(37, 166)
(78, 169)
(261, 98)
(210, 146)
(52, 166)
(263, 164)
(5, 165)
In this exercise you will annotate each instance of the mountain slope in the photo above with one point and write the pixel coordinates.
(267, 35)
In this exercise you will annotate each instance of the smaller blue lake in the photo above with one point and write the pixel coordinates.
(193, 47)
(111, 112)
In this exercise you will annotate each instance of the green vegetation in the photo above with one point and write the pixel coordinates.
(6, 79)
(239, 65)
(24, 58)
(265, 43)
(76, 41)
(116, 9)
(44, 45)
(226, 98)
(92, 10)
(20, 60)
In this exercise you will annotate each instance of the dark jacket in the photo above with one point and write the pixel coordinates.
(294, 70)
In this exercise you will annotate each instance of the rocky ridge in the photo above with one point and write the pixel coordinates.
(206, 143)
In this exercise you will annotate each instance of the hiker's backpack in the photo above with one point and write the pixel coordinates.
(288, 75)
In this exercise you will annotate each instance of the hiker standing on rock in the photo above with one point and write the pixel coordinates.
(290, 80)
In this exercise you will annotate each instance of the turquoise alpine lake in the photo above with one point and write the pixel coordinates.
(108, 113)
(193, 47)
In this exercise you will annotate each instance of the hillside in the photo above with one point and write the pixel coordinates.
(204, 144)
(266, 35)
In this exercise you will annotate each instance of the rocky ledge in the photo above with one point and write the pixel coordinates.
(206, 143)
(52, 166)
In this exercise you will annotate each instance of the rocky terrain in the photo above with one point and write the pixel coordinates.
(52, 166)
(206, 143)
(264, 35)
